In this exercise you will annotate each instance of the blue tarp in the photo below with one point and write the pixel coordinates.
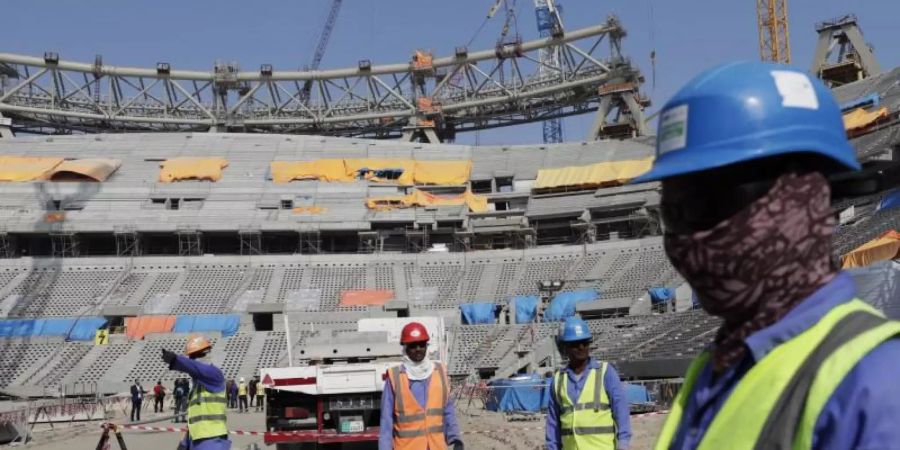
(526, 307)
(528, 393)
(661, 295)
(81, 329)
(871, 99)
(890, 200)
(227, 324)
(636, 393)
(476, 313)
(563, 305)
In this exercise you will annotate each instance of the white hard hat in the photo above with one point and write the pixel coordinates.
(242, 379)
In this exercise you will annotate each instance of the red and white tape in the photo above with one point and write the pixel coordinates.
(291, 433)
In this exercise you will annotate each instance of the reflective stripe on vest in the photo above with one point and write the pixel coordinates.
(415, 427)
(778, 401)
(206, 414)
(587, 424)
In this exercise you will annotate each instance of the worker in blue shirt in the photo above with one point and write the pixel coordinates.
(427, 414)
(588, 408)
(744, 154)
(206, 401)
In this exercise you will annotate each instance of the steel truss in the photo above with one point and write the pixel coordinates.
(503, 86)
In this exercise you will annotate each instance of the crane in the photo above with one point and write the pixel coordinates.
(549, 23)
(774, 39)
(322, 43)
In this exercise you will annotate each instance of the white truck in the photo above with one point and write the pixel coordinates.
(331, 397)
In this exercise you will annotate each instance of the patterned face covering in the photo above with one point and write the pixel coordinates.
(754, 267)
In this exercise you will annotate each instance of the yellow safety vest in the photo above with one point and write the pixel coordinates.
(776, 404)
(587, 424)
(242, 389)
(206, 413)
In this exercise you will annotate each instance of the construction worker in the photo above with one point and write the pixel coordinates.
(417, 412)
(207, 429)
(743, 153)
(588, 408)
(242, 395)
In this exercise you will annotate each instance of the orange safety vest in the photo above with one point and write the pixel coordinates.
(416, 428)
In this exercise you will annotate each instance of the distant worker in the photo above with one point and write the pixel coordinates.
(251, 389)
(417, 412)
(232, 394)
(137, 400)
(206, 416)
(242, 396)
(743, 153)
(159, 397)
(179, 392)
(260, 395)
(588, 408)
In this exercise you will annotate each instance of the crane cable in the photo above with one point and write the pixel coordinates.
(652, 44)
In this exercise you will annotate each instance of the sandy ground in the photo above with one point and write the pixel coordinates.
(484, 430)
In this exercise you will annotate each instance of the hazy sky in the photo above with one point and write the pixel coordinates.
(688, 35)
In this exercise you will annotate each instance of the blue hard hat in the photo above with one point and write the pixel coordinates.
(745, 111)
(573, 329)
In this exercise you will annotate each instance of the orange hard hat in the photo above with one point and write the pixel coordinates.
(413, 332)
(196, 343)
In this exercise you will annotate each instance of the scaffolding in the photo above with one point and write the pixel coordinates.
(370, 242)
(188, 241)
(251, 240)
(7, 249)
(127, 241)
(416, 240)
(64, 243)
(310, 241)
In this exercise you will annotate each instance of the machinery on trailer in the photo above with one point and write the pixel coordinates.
(331, 396)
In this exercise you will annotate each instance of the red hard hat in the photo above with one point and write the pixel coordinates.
(413, 332)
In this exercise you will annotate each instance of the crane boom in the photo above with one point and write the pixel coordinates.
(326, 35)
(549, 23)
(774, 38)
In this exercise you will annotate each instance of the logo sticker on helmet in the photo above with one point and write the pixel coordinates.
(415, 333)
(796, 89)
(673, 129)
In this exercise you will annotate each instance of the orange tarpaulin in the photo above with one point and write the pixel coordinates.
(476, 203)
(883, 248)
(190, 168)
(91, 169)
(411, 171)
(309, 210)
(138, 327)
(860, 118)
(26, 168)
(375, 297)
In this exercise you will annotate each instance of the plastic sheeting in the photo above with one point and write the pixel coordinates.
(190, 168)
(478, 313)
(661, 295)
(402, 171)
(138, 327)
(526, 307)
(637, 393)
(475, 203)
(80, 329)
(860, 118)
(366, 297)
(889, 201)
(884, 248)
(593, 175)
(312, 210)
(563, 305)
(529, 393)
(227, 324)
(95, 169)
(26, 168)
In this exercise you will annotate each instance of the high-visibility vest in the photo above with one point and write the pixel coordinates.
(242, 389)
(417, 428)
(778, 401)
(206, 413)
(587, 424)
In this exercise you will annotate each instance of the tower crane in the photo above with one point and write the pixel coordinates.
(321, 45)
(774, 39)
(549, 24)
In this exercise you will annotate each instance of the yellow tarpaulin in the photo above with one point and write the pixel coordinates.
(344, 170)
(322, 169)
(884, 248)
(860, 118)
(94, 169)
(594, 175)
(476, 203)
(189, 168)
(309, 210)
(26, 168)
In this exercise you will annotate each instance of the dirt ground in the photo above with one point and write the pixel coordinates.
(483, 430)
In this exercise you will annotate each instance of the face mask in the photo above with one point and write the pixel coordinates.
(418, 370)
(755, 266)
